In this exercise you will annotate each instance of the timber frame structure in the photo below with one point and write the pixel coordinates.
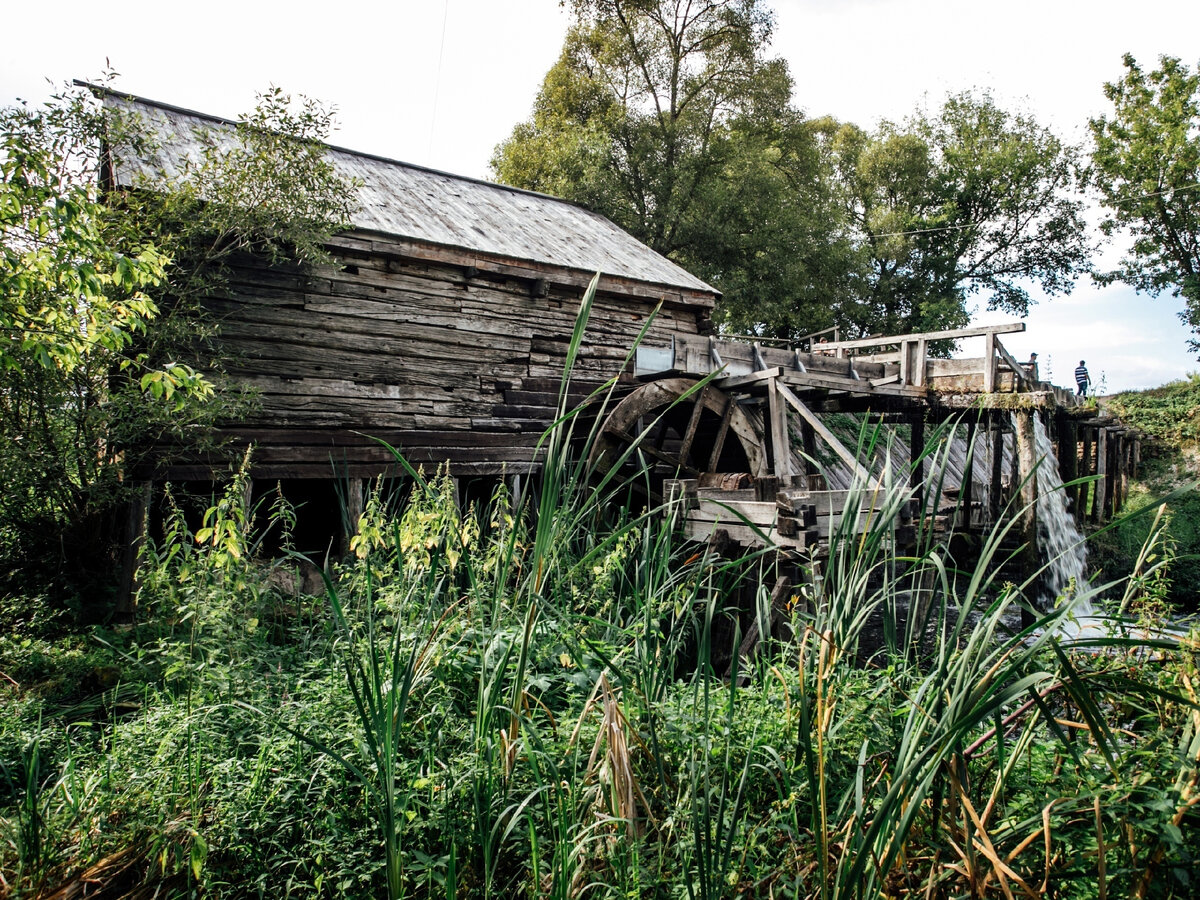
(786, 501)
(442, 327)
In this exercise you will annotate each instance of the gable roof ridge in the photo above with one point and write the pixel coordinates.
(102, 91)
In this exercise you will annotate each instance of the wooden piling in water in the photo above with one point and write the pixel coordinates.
(1100, 496)
(1026, 456)
(995, 500)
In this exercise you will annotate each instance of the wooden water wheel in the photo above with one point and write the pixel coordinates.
(681, 429)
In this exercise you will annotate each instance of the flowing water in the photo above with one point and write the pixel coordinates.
(1060, 542)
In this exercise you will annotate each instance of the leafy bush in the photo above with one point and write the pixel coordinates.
(1169, 414)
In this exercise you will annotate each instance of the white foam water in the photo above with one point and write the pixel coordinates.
(1060, 542)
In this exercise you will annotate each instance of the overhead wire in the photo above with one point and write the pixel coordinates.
(940, 228)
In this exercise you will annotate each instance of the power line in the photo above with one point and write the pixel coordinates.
(437, 82)
(941, 228)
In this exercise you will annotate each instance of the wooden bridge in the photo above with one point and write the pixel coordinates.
(735, 427)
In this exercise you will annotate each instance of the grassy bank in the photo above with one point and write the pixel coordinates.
(1169, 418)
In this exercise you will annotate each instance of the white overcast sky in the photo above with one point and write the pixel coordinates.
(440, 82)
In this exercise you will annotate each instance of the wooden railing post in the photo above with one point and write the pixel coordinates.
(989, 363)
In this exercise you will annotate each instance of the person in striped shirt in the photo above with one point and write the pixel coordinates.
(1081, 379)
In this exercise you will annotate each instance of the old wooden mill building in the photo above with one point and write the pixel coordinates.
(442, 328)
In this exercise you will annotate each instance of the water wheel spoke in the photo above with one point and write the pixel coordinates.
(689, 434)
(678, 440)
(722, 431)
(653, 452)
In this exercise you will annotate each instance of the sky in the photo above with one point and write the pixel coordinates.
(441, 82)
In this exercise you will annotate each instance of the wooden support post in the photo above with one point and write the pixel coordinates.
(1101, 485)
(1087, 468)
(995, 499)
(1115, 469)
(766, 488)
(781, 447)
(1027, 461)
(137, 517)
(808, 438)
(514, 491)
(351, 513)
(967, 494)
(689, 434)
(722, 432)
(1123, 475)
(826, 435)
(916, 448)
(1068, 457)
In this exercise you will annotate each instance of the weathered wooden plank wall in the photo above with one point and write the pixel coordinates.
(456, 360)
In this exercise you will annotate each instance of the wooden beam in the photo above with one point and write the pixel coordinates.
(351, 513)
(1027, 462)
(781, 446)
(997, 467)
(722, 433)
(826, 435)
(1087, 466)
(916, 452)
(1101, 484)
(968, 486)
(741, 381)
(951, 335)
(1068, 460)
(1018, 371)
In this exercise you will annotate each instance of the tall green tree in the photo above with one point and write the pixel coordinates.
(1146, 167)
(629, 120)
(974, 200)
(105, 352)
(668, 117)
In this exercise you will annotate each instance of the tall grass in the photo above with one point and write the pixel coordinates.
(525, 701)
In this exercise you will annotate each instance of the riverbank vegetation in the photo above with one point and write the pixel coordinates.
(1169, 417)
(545, 699)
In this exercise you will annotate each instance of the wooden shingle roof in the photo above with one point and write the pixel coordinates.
(413, 202)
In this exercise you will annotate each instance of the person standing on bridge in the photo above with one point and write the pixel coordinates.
(1082, 379)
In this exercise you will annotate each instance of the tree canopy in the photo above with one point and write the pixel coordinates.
(671, 118)
(104, 349)
(972, 200)
(1146, 167)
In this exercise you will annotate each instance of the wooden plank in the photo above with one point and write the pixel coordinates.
(761, 513)
(753, 379)
(815, 380)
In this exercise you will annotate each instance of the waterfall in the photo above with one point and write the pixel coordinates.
(1060, 542)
